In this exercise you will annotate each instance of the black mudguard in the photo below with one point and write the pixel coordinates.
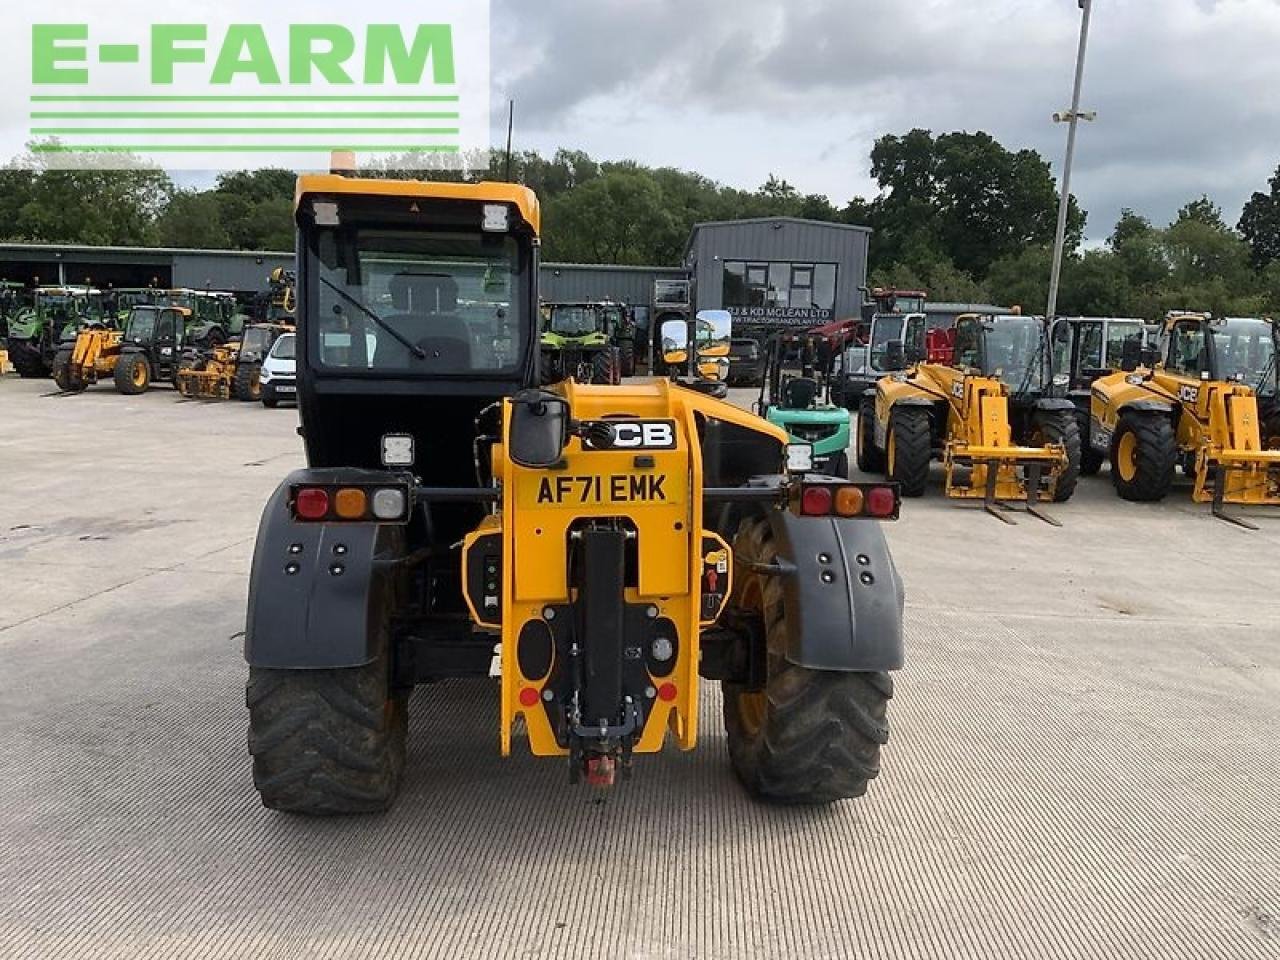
(1147, 406)
(303, 613)
(1055, 403)
(854, 622)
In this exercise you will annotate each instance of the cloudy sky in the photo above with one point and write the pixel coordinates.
(1186, 90)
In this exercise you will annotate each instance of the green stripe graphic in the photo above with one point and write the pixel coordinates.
(229, 98)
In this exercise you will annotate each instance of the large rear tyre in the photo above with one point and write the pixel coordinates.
(132, 374)
(627, 357)
(247, 386)
(807, 736)
(1060, 426)
(27, 360)
(870, 458)
(909, 449)
(604, 367)
(1144, 452)
(326, 741)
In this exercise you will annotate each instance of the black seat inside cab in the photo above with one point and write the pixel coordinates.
(798, 393)
(427, 314)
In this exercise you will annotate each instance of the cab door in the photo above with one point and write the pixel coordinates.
(1187, 368)
(165, 345)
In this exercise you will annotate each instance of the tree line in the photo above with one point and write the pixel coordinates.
(957, 214)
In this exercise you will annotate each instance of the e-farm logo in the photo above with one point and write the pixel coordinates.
(400, 90)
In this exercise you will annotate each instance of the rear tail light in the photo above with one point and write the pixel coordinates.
(815, 501)
(838, 498)
(350, 503)
(311, 503)
(882, 502)
(849, 501)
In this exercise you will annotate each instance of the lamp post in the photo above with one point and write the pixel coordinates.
(1072, 117)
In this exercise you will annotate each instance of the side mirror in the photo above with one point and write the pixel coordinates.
(539, 428)
(895, 357)
(1131, 354)
(675, 341)
(715, 331)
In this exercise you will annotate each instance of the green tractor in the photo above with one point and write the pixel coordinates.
(38, 327)
(577, 344)
(214, 316)
(795, 394)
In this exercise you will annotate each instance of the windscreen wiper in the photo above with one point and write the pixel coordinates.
(404, 341)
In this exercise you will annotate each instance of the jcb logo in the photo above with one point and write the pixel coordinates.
(644, 435)
(1188, 394)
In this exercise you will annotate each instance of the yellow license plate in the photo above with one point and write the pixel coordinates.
(600, 489)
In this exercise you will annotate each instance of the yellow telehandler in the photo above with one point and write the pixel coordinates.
(1204, 401)
(596, 551)
(982, 396)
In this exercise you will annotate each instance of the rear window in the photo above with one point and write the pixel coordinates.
(284, 349)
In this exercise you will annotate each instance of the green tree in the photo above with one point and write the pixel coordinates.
(965, 196)
(1260, 224)
(193, 219)
(610, 219)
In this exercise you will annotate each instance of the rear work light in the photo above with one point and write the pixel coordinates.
(350, 503)
(837, 498)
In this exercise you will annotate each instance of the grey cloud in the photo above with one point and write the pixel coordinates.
(1184, 88)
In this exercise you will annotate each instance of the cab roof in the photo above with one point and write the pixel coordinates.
(524, 199)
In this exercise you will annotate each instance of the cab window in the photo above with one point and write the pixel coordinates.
(1187, 355)
(968, 338)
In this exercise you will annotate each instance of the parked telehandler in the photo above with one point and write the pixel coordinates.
(984, 397)
(596, 549)
(1207, 404)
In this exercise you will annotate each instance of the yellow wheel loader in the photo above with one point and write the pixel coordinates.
(984, 398)
(1205, 402)
(595, 552)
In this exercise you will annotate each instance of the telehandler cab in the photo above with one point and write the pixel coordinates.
(984, 395)
(1207, 404)
(596, 549)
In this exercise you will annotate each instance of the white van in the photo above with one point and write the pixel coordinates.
(279, 372)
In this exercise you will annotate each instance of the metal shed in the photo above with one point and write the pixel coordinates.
(779, 271)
